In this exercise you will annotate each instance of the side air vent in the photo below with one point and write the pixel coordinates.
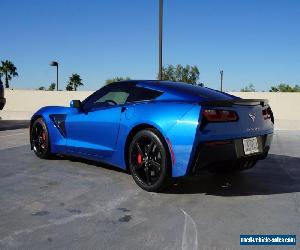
(59, 122)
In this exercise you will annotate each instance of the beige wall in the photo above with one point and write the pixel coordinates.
(21, 104)
(285, 106)
(30, 100)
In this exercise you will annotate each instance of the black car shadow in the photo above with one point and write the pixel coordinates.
(275, 175)
(91, 162)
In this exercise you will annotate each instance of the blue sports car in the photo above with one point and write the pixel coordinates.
(157, 130)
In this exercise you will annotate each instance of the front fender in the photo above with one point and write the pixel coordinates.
(57, 140)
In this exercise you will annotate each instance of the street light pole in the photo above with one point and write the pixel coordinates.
(221, 73)
(160, 38)
(54, 63)
(57, 77)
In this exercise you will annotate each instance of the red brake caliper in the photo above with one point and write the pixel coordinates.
(139, 159)
(44, 136)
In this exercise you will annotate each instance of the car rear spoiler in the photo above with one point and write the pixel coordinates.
(237, 101)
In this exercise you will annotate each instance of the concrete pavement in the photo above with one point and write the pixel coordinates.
(13, 124)
(69, 203)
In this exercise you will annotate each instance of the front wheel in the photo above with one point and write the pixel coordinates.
(40, 139)
(148, 160)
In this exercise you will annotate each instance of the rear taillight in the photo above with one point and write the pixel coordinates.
(268, 114)
(217, 115)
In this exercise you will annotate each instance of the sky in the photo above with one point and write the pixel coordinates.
(252, 41)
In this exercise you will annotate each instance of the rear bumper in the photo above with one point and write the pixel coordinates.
(227, 154)
(2, 102)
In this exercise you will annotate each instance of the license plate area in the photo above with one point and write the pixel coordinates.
(251, 146)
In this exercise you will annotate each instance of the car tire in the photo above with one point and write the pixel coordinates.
(40, 141)
(149, 161)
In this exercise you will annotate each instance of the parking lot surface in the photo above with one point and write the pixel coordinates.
(13, 124)
(69, 203)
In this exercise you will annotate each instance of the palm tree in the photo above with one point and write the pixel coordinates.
(74, 82)
(9, 70)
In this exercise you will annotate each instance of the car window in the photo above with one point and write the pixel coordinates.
(118, 97)
(88, 102)
(118, 93)
(143, 94)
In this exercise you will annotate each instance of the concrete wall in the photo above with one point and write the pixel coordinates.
(285, 106)
(21, 104)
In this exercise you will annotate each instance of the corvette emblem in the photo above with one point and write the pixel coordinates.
(252, 116)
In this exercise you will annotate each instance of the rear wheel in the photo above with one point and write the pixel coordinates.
(148, 160)
(40, 139)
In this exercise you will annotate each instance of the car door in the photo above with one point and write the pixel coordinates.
(93, 130)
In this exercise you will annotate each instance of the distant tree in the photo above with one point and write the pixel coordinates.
(117, 79)
(273, 89)
(41, 88)
(69, 87)
(188, 74)
(249, 88)
(296, 88)
(169, 73)
(74, 82)
(285, 88)
(52, 87)
(9, 70)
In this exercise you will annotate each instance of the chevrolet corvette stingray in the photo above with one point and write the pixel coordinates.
(157, 130)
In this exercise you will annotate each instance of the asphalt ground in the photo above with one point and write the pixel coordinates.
(13, 124)
(68, 203)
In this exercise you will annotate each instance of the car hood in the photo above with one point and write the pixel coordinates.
(48, 110)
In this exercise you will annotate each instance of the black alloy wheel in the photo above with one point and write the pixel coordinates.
(148, 160)
(40, 139)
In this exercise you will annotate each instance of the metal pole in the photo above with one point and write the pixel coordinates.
(160, 38)
(221, 73)
(54, 63)
(57, 77)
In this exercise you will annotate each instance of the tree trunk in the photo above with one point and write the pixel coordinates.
(6, 81)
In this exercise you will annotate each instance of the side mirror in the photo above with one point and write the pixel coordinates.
(75, 104)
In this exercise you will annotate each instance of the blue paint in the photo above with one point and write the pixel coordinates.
(101, 132)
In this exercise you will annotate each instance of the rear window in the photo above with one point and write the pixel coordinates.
(195, 91)
(202, 92)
